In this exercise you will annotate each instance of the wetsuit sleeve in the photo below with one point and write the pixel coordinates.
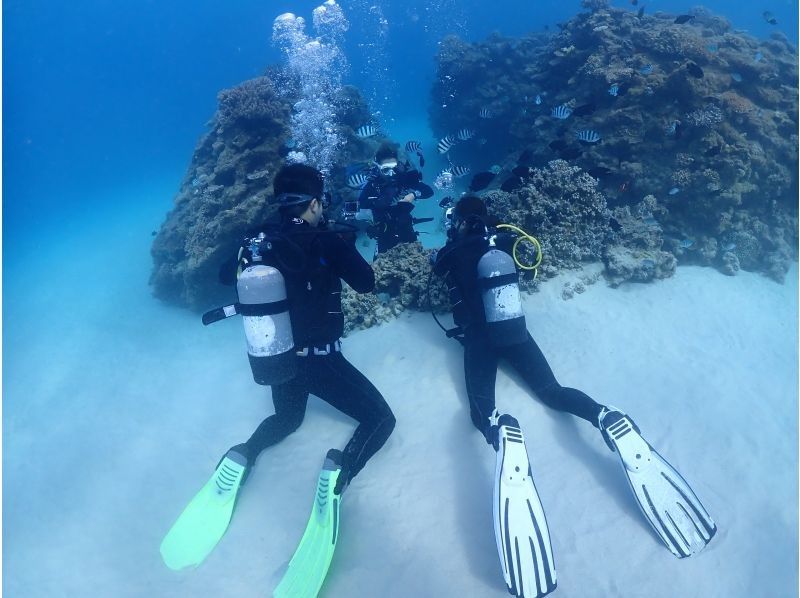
(347, 264)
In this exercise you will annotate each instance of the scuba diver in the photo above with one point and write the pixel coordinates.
(479, 264)
(288, 279)
(390, 194)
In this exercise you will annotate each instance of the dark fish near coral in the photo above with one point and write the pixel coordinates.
(640, 13)
(525, 158)
(712, 151)
(521, 171)
(446, 202)
(769, 18)
(557, 145)
(481, 180)
(571, 153)
(694, 70)
(153, 233)
(683, 19)
(585, 109)
(598, 172)
(511, 184)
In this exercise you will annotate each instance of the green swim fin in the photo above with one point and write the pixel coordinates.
(311, 560)
(204, 521)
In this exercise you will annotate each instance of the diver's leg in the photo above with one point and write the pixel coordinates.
(290, 400)
(480, 373)
(337, 382)
(530, 363)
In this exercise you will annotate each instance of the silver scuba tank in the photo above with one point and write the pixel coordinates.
(267, 325)
(502, 305)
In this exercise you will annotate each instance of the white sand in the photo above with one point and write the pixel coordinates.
(117, 408)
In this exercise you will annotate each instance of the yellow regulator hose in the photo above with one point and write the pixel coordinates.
(523, 236)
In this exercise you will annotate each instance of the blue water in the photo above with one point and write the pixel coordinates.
(103, 104)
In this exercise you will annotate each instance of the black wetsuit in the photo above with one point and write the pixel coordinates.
(457, 262)
(392, 218)
(315, 306)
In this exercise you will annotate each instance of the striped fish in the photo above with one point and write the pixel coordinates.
(561, 112)
(357, 180)
(365, 131)
(445, 144)
(613, 90)
(538, 100)
(588, 136)
(465, 134)
(486, 113)
(413, 146)
(459, 171)
(646, 69)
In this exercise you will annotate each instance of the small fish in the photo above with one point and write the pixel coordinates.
(713, 48)
(694, 70)
(613, 90)
(758, 57)
(195, 182)
(672, 128)
(736, 77)
(538, 100)
(598, 172)
(674, 190)
(681, 19)
(446, 202)
(465, 134)
(769, 18)
(153, 233)
(445, 144)
(495, 169)
(416, 146)
(571, 153)
(557, 145)
(729, 246)
(588, 136)
(686, 243)
(365, 131)
(521, 171)
(481, 180)
(585, 109)
(712, 151)
(640, 13)
(646, 69)
(486, 113)
(511, 184)
(459, 171)
(357, 181)
(561, 112)
(648, 263)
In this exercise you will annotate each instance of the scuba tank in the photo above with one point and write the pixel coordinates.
(267, 325)
(502, 305)
(264, 308)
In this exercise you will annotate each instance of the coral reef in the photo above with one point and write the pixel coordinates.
(227, 185)
(703, 117)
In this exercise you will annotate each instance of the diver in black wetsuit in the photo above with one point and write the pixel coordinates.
(391, 194)
(315, 307)
(457, 262)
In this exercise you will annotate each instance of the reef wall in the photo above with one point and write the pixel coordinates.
(700, 116)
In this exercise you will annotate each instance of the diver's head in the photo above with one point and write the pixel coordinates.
(386, 159)
(469, 216)
(300, 193)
